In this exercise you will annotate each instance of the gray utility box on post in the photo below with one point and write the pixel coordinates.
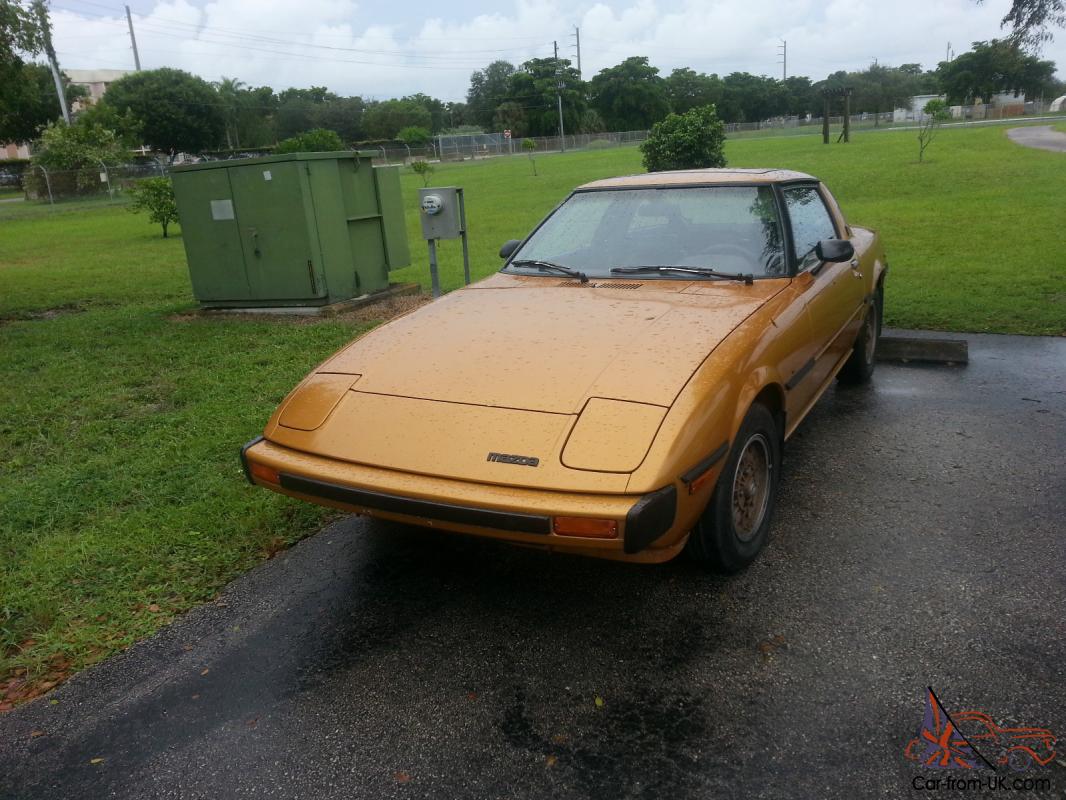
(306, 229)
(442, 212)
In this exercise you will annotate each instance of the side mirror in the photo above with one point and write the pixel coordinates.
(509, 247)
(834, 250)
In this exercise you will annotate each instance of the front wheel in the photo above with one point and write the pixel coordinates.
(860, 367)
(735, 526)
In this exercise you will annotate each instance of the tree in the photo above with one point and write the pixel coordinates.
(751, 98)
(28, 103)
(423, 169)
(127, 127)
(178, 111)
(19, 32)
(994, 67)
(434, 106)
(535, 85)
(156, 196)
(318, 140)
(934, 113)
(1030, 19)
(879, 88)
(687, 89)
(230, 95)
(630, 96)
(692, 140)
(510, 116)
(343, 116)
(488, 88)
(384, 120)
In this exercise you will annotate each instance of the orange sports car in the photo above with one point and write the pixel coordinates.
(621, 388)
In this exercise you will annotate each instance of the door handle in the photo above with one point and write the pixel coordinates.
(855, 268)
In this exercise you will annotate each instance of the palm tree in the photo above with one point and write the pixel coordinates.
(230, 92)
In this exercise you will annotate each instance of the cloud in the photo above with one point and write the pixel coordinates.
(353, 49)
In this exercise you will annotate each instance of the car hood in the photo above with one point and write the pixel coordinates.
(541, 344)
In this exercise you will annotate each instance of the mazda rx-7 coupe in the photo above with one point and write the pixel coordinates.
(621, 388)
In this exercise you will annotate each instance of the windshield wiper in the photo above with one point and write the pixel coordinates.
(707, 272)
(549, 266)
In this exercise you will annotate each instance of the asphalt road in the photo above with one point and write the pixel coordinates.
(919, 541)
(1042, 137)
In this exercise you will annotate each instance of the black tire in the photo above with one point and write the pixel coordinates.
(721, 541)
(860, 367)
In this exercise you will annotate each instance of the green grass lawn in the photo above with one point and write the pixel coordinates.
(121, 501)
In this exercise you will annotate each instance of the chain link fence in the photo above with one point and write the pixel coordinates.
(42, 185)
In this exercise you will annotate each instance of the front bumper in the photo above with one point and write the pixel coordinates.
(646, 523)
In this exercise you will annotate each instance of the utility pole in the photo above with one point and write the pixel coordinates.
(40, 9)
(783, 48)
(577, 46)
(133, 40)
(947, 52)
(559, 97)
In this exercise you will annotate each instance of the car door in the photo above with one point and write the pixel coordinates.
(833, 293)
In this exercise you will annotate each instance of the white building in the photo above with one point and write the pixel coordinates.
(95, 80)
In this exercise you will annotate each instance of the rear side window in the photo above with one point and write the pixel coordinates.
(810, 222)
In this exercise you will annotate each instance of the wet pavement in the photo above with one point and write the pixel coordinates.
(919, 541)
(1042, 137)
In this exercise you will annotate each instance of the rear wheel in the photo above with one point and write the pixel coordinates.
(860, 367)
(735, 526)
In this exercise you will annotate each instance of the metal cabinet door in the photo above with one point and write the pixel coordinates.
(210, 235)
(275, 230)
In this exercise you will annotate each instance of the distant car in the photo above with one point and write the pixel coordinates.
(622, 387)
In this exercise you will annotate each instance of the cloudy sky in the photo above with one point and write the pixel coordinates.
(380, 50)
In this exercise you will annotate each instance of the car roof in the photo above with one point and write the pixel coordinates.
(699, 177)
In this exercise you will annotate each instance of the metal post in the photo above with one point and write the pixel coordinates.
(847, 115)
(434, 277)
(133, 40)
(559, 98)
(466, 249)
(825, 119)
(107, 178)
(47, 182)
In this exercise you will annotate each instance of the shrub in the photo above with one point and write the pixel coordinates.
(530, 146)
(423, 169)
(156, 196)
(72, 154)
(414, 135)
(692, 140)
(318, 140)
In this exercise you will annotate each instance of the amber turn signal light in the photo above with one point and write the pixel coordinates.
(264, 473)
(586, 526)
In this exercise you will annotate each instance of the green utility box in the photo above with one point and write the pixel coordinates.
(306, 229)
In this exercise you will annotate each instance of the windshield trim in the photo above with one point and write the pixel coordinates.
(784, 229)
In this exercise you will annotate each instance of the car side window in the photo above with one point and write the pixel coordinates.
(810, 222)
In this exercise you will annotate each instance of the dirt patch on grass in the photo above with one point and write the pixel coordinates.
(381, 311)
(43, 314)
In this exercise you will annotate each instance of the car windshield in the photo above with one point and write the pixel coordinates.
(732, 229)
